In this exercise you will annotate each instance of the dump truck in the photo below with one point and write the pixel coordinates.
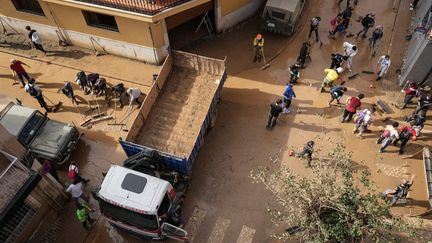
(42, 137)
(144, 196)
(280, 16)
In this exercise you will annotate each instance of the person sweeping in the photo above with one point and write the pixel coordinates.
(258, 44)
(331, 76)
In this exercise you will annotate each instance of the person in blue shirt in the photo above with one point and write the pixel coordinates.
(336, 93)
(288, 94)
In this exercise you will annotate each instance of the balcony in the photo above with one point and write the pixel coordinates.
(147, 7)
(13, 176)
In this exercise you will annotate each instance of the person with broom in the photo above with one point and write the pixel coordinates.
(258, 44)
(68, 91)
(36, 92)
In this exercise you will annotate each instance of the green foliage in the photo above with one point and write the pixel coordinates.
(336, 203)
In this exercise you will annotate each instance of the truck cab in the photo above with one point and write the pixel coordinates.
(138, 203)
(280, 16)
(43, 138)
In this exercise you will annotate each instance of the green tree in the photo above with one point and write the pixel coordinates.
(336, 203)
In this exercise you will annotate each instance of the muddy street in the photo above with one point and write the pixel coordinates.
(222, 203)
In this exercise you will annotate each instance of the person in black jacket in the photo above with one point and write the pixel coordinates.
(367, 22)
(275, 110)
(307, 152)
(337, 60)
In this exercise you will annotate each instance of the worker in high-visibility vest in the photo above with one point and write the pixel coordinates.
(258, 44)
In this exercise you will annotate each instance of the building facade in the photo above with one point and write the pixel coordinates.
(29, 202)
(137, 29)
(417, 63)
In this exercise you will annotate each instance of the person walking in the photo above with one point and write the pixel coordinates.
(275, 110)
(304, 53)
(367, 22)
(34, 37)
(307, 152)
(405, 134)
(294, 73)
(48, 167)
(336, 93)
(258, 44)
(288, 94)
(389, 134)
(363, 120)
(83, 214)
(350, 50)
(346, 15)
(337, 60)
(73, 172)
(339, 26)
(352, 104)
(36, 93)
(383, 66)
(423, 105)
(410, 93)
(134, 95)
(18, 70)
(68, 91)
(76, 191)
(331, 76)
(315, 21)
(377, 35)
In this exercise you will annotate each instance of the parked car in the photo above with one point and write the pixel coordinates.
(42, 137)
(280, 16)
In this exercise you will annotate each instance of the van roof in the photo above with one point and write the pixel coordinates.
(287, 5)
(133, 190)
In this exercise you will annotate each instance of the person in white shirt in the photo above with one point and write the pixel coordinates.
(76, 191)
(36, 93)
(388, 135)
(364, 119)
(350, 50)
(134, 95)
(383, 66)
(35, 39)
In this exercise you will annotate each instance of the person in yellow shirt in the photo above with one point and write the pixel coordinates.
(331, 76)
(258, 44)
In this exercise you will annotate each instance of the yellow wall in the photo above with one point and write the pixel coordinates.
(228, 6)
(70, 18)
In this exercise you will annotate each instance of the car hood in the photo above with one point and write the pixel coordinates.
(51, 138)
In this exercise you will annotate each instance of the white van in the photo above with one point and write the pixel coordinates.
(138, 203)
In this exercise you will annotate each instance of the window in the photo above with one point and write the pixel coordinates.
(134, 183)
(18, 221)
(278, 15)
(100, 20)
(31, 128)
(166, 203)
(143, 221)
(29, 6)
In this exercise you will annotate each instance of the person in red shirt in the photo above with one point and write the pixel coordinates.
(18, 69)
(406, 133)
(353, 103)
(410, 93)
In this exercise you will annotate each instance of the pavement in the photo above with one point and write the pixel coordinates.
(222, 203)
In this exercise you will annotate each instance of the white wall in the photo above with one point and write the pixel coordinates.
(120, 48)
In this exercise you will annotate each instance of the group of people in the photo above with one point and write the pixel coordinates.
(363, 118)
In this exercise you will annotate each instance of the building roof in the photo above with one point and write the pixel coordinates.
(148, 7)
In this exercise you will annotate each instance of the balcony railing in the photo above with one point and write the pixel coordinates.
(13, 175)
(147, 7)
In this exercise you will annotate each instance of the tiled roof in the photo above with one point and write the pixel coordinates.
(148, 7)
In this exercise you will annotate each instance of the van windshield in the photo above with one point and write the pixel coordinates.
(129, 217)
(31, 128)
